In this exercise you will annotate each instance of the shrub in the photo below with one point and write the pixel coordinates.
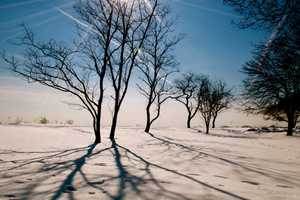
(69, 122)
(44, 120)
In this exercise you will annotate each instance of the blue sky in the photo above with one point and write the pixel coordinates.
(213, 45)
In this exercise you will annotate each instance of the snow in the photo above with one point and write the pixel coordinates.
(39, 162)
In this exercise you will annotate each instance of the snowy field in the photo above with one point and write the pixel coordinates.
(174, 164)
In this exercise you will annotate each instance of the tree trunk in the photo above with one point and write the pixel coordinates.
(188, 124)
(97, 128)
(291, 124)
(114, 124)
(214, 122)
(96, 131)
(147, 128)
(148, 120)
(189, 119)
(97, 136)
(207, 127)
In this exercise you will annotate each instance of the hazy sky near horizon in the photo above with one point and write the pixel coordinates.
(213, 46)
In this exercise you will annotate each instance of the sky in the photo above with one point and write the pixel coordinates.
(213, 45)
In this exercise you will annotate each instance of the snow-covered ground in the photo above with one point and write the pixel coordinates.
(177, 164)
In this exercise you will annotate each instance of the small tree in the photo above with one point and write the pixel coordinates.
(213, 97)
(157, 63)
(222, 98)
(205, 98)
(186, 89)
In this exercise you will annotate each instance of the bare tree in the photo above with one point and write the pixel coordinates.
(187, 93)
(272, 86)
(156, 64)
(52, 64)
(205, 98)
(133, 23)
(112, 34)
(272, 83)
(222, 98)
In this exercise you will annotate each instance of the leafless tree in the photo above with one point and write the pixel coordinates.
(205, 101)
(156, 64)
(222, 99)
(186, 89)
(53, 64)
(272, 85)
(133, 22)
(113, 33)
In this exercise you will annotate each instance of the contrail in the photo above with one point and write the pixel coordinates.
(34, 25)
(273, 36)
(219, 12)
(90, 28)
(276, 32)
(43, 12)
(72, 18)
(20, 4)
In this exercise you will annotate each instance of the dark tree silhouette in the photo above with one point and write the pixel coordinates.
(157, 63)
(272, 83)
(272, 86)
(133, 22)
(222, 98)
(186, 89)
(263, 13)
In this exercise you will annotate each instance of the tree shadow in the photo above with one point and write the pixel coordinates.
(234, 134)
(36, 170)
(67, 184)
(126, 179)
(131, 176)
(269, 173)
(136, 179)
